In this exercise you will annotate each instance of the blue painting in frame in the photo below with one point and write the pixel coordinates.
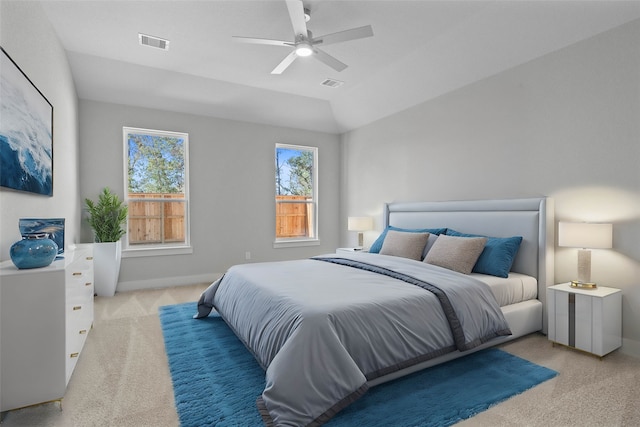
(54, 227)
(26, 132)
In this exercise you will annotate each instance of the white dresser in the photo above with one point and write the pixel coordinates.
(45, 316)
(586, 319)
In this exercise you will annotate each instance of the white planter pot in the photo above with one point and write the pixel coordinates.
(106, 266)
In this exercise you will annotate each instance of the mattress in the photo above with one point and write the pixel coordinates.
(511, 290)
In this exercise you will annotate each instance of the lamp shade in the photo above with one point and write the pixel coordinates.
(585, 235)
(360, 223)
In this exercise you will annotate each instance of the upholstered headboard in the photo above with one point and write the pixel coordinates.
(530, 218)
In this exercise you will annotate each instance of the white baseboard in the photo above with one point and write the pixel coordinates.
(166, 282)
(630, 347)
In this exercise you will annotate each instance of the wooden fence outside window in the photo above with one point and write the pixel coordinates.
(158, 220)
(293, 218)
(161, 218)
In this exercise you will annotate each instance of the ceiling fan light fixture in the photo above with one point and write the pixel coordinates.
(304, 44)
(304, 49)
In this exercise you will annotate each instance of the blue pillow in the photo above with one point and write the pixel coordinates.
(377, 245)
(497, 257)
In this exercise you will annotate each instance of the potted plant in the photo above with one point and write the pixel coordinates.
(107, 217)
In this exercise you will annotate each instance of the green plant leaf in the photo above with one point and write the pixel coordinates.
(108, 216)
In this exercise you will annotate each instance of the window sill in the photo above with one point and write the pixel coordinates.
(278, 244)
(158, 251)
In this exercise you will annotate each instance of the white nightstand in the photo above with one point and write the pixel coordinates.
(350, 250)
(586, 319)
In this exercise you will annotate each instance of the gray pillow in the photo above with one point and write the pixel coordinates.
(456, 253)
(403, 244)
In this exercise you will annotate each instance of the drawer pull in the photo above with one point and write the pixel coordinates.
(82, 331)
(72, 355)
(77, 307)
(89, 258)
(88, 284)
(77, 274)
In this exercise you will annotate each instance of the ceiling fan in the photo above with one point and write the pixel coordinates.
(304, 43)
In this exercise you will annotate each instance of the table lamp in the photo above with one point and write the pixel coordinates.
(360, 224)
(585, 236)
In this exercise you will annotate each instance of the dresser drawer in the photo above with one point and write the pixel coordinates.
(72, 355)
(79, 277)
(76, 336)
(80, 294)
(79, 320)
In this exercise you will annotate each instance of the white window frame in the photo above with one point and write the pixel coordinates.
(155, 249)
(287, 242)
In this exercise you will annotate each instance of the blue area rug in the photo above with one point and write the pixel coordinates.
(216, 381)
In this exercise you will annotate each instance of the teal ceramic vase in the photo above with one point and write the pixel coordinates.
(35, 250)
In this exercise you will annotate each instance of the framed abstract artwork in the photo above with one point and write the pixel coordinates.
(26, 132)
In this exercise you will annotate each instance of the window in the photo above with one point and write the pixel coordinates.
(157, 191)
(296, 195)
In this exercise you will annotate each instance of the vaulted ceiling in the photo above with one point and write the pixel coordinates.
(420, 49)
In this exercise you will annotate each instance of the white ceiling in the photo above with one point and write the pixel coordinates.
(420, 49)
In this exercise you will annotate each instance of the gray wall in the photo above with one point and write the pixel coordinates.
(565, 125)
(26, 35)
(231, 188)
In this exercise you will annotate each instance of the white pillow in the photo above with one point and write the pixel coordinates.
(406, 245)
(456, 253)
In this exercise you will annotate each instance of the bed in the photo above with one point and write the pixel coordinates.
(325, 329)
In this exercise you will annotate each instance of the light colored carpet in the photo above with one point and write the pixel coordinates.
(122, 377)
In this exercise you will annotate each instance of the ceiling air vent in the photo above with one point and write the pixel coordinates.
(332, 83)
(151, 41)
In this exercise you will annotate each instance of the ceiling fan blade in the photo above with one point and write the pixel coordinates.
(296, 14)
(285, 63)
(254, 40)
(343, 36)
(329, 60)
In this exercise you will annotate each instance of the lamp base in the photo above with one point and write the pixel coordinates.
(583, 285)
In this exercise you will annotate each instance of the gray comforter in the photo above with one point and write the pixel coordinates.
(321, 329)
